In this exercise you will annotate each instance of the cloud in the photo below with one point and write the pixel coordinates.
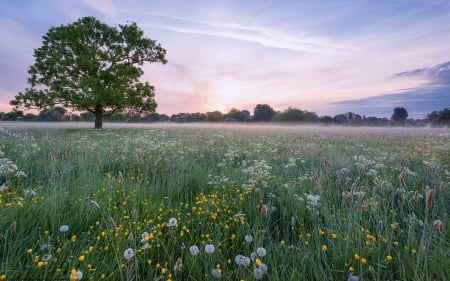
(106, 7)
(430, 96)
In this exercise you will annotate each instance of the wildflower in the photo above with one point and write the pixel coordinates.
(261, 252)
(258, 273)
(239, 215)
(216, 273)
(263, 267)
(177, 266)
(40, 264)
(194, 250)
(3, 277)
(262, 209)
(76, 275)
(352, 277)
(209, 248)
(128, 253)
(46, 257)
(63, 228)
(389, 257)
(113, 224)
(248, 238)
(429, 192)
(258, 262)
(324, 248)
(172, 222)
(334, 236)
(81, 258)
(439, 226)
(95, 204)
(401, 180)
(242, 260)
(357, 257)
(13, 226)
(363, 261)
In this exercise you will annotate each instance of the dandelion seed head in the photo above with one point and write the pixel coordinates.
(248, 238)
(194, 250)
(128, 253)
(63, 228)
(209, 248)
(172, 222)
(261, 252)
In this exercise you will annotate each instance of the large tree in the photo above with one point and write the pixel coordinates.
(90, 66)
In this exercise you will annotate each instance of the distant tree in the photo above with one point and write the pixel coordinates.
(439, 118)
(263, 112)
(326, 119)
(237, 115)
(214, 116)
(347, 118)
(90, 66)
(399, 115)
(52, 114)
(295, 115)
(13, 115)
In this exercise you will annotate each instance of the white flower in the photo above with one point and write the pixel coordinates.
(46, 257)
(352, 277)
(64, 228)
(145, 246)
(144, 235)
(194, 250)
(258, 273)
(216, 273)
(128, 253)
(242, 260)
(209, 248)
(253, 256)
(263, 267)
(248, 238)
(76, 275)
(172, 222)
(261, 252)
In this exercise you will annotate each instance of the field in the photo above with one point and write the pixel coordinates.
(160, 202)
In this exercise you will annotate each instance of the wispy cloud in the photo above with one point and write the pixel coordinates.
(105, 7)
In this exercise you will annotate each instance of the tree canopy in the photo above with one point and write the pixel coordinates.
(90, 66)
(263, 112)
(399, 115)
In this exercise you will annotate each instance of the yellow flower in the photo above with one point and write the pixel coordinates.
(81, 258)
(103, 276)
(29, 251)
(334, 236)
(324, 248)
(3, 277)
(40, 263)
(351, 269)
(389, 257)
(356, 257)
(363, 261)
(258, 262)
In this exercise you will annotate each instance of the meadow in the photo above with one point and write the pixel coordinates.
(160, 202)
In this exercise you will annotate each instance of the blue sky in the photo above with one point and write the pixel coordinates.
(329, 57)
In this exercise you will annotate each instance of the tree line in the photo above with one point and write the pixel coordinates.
(261, 113)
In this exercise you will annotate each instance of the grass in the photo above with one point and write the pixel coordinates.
(128, 203)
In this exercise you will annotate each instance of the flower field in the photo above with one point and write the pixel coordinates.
(224, 203)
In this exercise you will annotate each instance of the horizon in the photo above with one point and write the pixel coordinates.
(325, 57)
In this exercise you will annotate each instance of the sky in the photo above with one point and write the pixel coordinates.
(328, 57)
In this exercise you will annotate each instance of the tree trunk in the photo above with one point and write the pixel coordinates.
(98, 117)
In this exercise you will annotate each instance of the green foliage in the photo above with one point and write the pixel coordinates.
(90, 66)
(334, 203)
(399, 115)
(263, 112)
(296, 115)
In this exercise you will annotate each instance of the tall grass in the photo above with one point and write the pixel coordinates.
(134, 203)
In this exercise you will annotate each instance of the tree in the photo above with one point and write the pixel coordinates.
(263, 112)
(90, 66)
(52, 114)
(399, 115)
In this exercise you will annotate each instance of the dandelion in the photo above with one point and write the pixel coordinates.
(81, 258)
(429, 192)
(389, 258)
(248, 238)
(352, 277)
(63, 228)
(46, 257)
(261, 252)
(95, 204)
(363, 261)
(194, 250)
(258, 273)
(242, 260)
(439, 226)
(40, 264)
(76, 275)
(209, 248)
(177, 266)
(263, 267)
(128, 253)
(172, 222)
(216, 273)
(324, 248)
